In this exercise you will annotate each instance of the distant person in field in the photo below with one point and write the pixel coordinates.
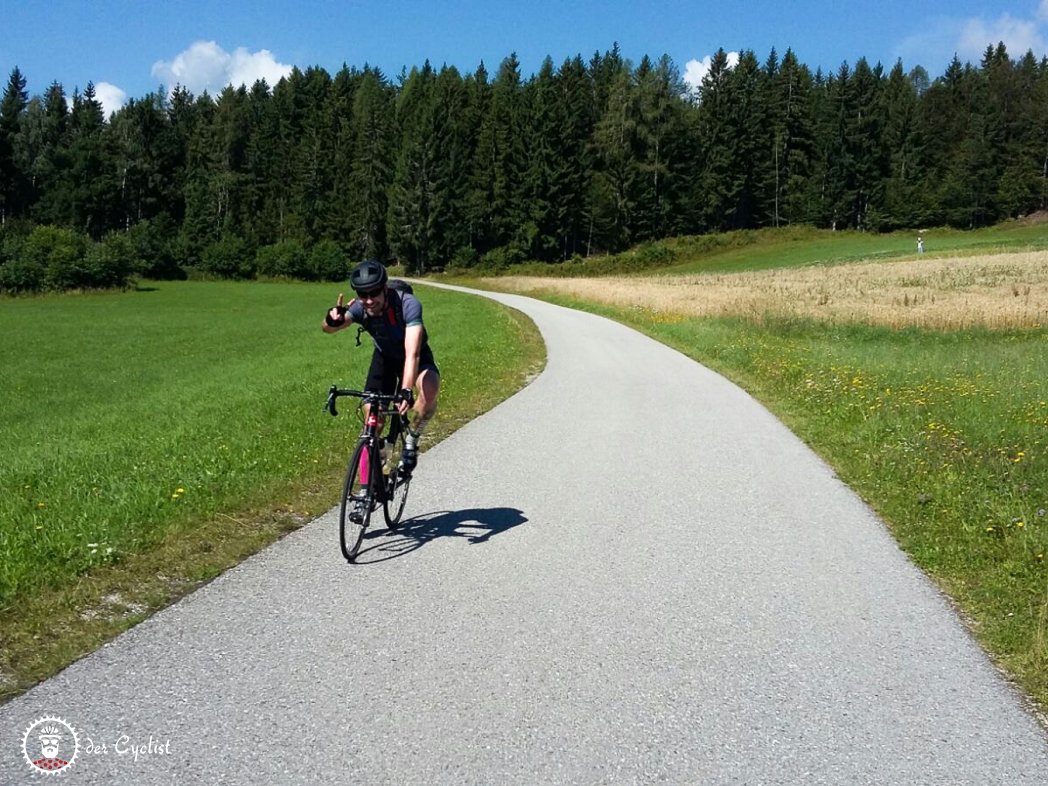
(402, 362)
(920, 244)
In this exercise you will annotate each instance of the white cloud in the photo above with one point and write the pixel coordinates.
(695, 70)
(207, 66)
(1018, 35)
(110, 97)
(935, 45)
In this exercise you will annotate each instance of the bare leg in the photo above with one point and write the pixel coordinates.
(425, 407)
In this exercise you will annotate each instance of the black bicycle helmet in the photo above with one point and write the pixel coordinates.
(368, 276)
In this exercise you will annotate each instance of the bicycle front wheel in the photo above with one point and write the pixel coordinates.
(397, 484)
(354, 514)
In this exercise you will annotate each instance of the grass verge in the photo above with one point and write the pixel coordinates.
(149, 440)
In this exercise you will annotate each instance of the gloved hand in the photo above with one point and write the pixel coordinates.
(336, 315)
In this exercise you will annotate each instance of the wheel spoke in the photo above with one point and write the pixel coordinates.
(355, 508)
(396, 486)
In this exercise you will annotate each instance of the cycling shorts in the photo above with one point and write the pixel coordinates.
(384, 373)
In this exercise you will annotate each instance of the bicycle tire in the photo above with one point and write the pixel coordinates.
(397, 485)
(351, 533)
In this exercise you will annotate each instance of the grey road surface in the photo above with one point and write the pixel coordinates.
(627, 573)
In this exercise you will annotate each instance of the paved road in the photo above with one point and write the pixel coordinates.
(628, 573)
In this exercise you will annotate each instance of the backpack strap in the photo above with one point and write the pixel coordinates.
(395, 307)
(394, 312)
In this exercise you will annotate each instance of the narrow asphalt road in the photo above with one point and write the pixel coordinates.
(627, 573)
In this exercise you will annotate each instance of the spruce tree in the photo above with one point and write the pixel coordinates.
(714, 186)
(371, 167)
(903, 188)
(451, 157)
(617, 172)
(411, 212)
(92, 179)
(578, 112)
(480, 193)
(508, 163)
(793, 138)
(544, 175)
(13, 181)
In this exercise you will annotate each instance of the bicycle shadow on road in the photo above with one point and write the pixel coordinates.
(476, 525)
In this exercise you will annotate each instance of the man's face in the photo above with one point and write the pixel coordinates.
(49, 744)
(374, 301)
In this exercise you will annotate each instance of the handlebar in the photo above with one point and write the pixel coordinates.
(369, 397)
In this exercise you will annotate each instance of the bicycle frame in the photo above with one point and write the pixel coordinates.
(365, 473)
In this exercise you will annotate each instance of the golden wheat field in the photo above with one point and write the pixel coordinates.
(994, 291)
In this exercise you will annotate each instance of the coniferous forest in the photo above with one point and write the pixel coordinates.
(436, 169)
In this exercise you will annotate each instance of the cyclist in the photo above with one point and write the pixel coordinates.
(393, 318)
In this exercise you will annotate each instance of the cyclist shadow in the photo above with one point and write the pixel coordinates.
(476, 525)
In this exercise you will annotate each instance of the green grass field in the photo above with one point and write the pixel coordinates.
(766, 249)
(135, 423)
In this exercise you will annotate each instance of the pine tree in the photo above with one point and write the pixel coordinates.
(411, 214)
(371, 167)
(144, 172)
(659, 94)
(792, 129)
(903, 188)
(451, 157)
(946, 115)
(312, 150)
(715, 185)
(544, 174)
(863, 139)
(508, 208)
(264, 166)
(1020, 118)
(835, 185)
(480, 194)
(202, 223)
(13, 181)
(92, 178)
(50, 164)
(577, 108)
(751, 171)
(617, 172)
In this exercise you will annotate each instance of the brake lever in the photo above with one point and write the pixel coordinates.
(330, 404)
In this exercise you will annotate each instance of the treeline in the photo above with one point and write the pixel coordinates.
(437, 169)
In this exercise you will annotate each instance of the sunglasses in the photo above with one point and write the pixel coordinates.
(371, 294)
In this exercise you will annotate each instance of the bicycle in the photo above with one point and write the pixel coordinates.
(368, 481)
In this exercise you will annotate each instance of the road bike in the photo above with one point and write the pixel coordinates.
(376, 473)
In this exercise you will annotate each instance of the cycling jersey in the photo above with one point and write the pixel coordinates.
(387, 330)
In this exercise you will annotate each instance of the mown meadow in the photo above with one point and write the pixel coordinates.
(151, 438)
(943, 430)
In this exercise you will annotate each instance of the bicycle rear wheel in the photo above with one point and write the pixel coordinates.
(397, 484)
(354, 514)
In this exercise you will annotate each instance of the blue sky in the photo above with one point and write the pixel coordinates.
(131, 48)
